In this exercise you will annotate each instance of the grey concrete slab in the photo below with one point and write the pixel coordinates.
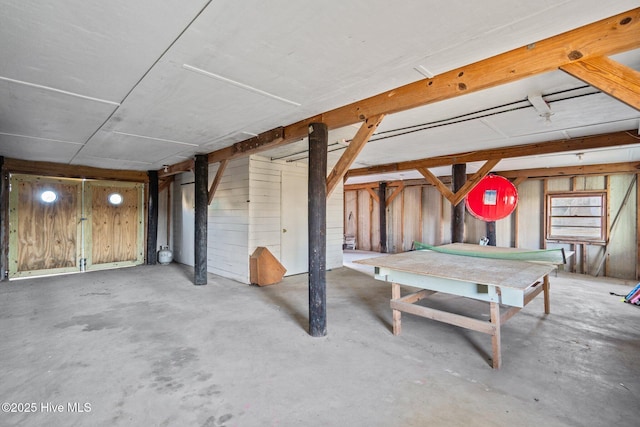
(143, 346)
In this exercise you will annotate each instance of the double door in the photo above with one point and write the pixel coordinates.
(65, 225)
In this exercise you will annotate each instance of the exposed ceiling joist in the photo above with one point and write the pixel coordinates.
(609, 36)
(355, 147)
(606, 169)
(611, 77)
(72, 171)
(599, 141)
(183, 166)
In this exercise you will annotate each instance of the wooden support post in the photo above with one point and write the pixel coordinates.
(152, 219)
(491, 232)
(4, 222)
(397, 314)
(201, 171)
(495, 337)
(318, 143)
(459, 176)
(546, 288)
(382, 204)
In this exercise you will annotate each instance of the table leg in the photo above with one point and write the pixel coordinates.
(495, 337)
(545, 287)
(395, 294)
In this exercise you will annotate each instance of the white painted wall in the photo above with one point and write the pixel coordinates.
(228, 218)
(245, 213)
(182, 218)
(265, 209)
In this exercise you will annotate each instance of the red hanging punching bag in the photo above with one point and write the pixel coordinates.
(493, 198)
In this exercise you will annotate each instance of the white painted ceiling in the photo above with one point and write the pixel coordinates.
(141, 84)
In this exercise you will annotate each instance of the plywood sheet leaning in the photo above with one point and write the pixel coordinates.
(265, 269)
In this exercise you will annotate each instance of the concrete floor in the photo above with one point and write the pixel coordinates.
(143, 346)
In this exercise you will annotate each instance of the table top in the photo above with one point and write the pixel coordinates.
(486, 271)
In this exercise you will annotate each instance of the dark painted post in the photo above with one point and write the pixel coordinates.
(491, 233)
(152, 219)
(317, 199)
(459, 176)
(382, 196)
(201, 171)
(4, 222)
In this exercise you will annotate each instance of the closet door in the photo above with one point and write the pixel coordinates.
(45, 225)
(115, 224)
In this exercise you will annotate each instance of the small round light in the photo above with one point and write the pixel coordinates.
(115, 198)
(48, 196)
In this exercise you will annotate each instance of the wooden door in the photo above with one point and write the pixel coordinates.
(115, 224)
(45, 224)
(294, 240)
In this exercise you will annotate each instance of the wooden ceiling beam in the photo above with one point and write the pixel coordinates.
(72, 171)
(261, 142)
(184, 166)
(604, 169)
(356, 145)
(598, 141)
(611, 77)
(519, 176)
(612, 35)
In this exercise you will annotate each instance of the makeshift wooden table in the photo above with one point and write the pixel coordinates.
(496, 281)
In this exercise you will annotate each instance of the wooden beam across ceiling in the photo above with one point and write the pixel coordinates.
(559, 146)
(604, 169)
(611, 77)
(72, 171)
(608, 36)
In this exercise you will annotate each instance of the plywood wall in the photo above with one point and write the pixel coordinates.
(115, 228)
(44, 236)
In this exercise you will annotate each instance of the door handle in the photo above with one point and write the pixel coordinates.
(284, 230)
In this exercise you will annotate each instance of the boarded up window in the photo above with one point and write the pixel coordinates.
(577, 217)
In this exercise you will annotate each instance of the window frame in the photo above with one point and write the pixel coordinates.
(604, 228)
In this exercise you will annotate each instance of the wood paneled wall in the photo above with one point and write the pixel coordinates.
(421, 213)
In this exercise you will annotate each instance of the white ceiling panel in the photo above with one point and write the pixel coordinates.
(25, 148)
(39, 112)
(98, 49)
(177, 104)
(126, 146)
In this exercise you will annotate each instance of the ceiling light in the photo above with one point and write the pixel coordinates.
(540, 106)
